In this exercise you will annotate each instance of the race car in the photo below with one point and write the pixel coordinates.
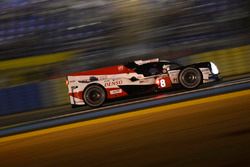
(94, 87)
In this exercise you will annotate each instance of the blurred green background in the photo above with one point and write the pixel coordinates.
(43, 40)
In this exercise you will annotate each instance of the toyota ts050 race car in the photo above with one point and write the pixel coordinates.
(93, 87)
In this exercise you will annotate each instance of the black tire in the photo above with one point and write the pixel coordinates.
(94, 95)
(190, 78)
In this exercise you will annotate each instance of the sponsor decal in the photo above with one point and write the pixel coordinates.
(83, 81)
(113, 83)
(116, 91)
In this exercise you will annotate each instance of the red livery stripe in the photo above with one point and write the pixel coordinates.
(119, 69)
(78, 95)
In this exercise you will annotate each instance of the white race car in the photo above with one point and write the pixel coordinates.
(93, 87)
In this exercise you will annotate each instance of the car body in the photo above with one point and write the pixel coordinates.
(94, 87)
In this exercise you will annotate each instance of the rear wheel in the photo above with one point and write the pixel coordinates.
(190, 78)
(94, 95)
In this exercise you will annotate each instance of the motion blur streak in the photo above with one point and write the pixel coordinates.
(204, 132)
(43, 40)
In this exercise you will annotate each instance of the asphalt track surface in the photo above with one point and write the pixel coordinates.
(29, 121)
(211, 131)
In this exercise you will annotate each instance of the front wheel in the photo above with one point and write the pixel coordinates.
(190, 78)
(94, 95)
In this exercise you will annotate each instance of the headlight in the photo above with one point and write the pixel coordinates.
(214, 68)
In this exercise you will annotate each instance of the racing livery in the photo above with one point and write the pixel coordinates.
(93, 87)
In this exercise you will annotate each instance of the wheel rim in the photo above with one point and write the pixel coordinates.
(94, 96)
(190, 78)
